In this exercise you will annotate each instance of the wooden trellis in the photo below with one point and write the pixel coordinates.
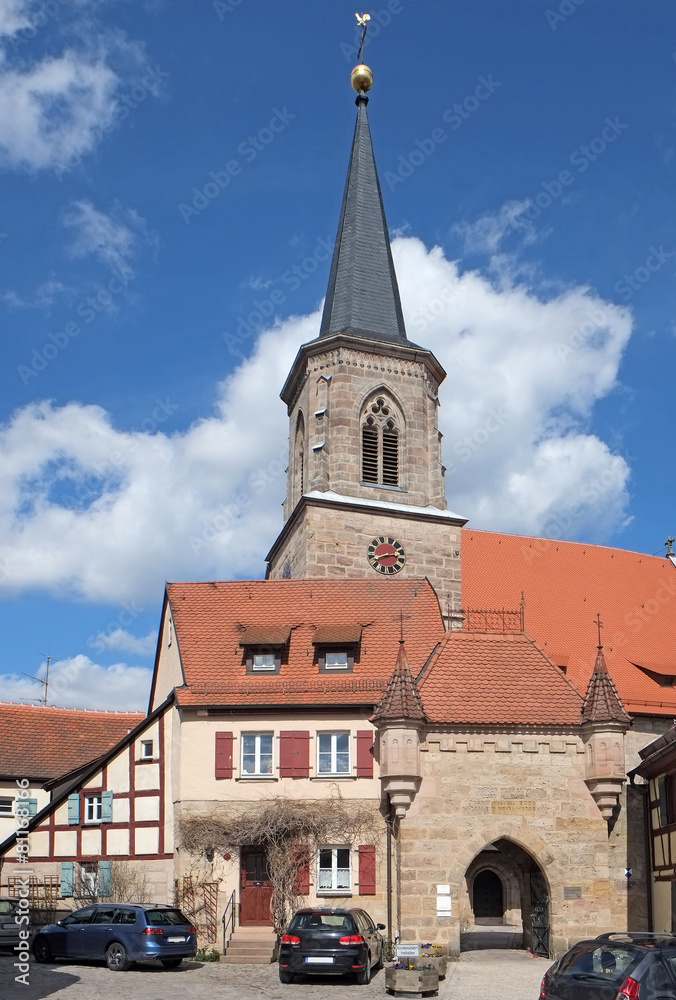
(199, 901)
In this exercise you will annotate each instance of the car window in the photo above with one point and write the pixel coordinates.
(321, 921)
(162, 918)
(658, 980)
(125, 917)
(358, 917)
(607, 961)
(6, 906)
(79, 917)
(370, 926)
(104, 915)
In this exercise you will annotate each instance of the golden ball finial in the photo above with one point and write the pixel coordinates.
(361, 78)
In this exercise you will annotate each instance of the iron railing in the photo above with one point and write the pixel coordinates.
(228, 920)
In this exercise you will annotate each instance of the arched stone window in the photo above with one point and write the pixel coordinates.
(299, 458)
(380, 442)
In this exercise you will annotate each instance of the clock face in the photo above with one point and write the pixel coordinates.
(386, 555)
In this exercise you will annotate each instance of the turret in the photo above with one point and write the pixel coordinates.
(604, 722)
(399, 719)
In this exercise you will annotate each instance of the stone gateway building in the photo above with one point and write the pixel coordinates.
(437, 709)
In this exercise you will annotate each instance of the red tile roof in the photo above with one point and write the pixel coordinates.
(42, 742)
(565, 584)
(401, 699)
(209, 619)
(496, 679)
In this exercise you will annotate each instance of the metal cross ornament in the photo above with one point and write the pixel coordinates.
(599, 625)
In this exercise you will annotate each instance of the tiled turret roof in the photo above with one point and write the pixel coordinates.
(602, 703)
(400, 699)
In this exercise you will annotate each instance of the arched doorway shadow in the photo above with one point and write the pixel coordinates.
(506, 902)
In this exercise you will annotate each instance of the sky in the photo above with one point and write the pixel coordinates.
(171, 177)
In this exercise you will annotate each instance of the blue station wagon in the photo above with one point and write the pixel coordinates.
(119, 934)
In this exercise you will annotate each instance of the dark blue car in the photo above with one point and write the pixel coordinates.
(120, 934)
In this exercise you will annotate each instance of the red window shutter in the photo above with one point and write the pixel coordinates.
(294, 754)
(302, 884)
(365, 753)
(367, 870)
(224, 755)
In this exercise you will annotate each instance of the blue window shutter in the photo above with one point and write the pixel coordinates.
(66, 878)
(104, 886)
(106, 807)
(74, 809)
(31, 805)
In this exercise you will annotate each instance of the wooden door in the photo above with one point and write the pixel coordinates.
(255, 894)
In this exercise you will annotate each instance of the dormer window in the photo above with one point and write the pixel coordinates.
(336, 646)
(264, 648)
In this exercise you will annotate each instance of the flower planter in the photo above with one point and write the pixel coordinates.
(434, 958)
(416, 981)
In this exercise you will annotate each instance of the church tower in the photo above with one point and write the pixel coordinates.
(365, 488)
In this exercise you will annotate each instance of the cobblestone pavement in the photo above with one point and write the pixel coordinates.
(479, 975)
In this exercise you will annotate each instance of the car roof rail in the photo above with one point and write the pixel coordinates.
(632, 935)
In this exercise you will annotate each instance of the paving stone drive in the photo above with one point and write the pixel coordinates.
(480, 975)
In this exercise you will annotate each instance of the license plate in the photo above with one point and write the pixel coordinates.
(318, 960)
(175, 940)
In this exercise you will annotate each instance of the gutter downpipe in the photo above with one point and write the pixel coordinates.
(389, 872)
(645, 791)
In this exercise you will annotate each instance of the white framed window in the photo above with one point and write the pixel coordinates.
(89, 874)
(333, 753)
(257, 753)
(93, 809)
(333, 870)
(6, 805)
(263, 661)
(146, 749)
(336, 659)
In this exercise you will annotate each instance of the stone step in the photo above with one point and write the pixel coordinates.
(235, 949)
(246, 959)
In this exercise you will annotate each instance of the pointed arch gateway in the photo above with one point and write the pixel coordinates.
(506, 901)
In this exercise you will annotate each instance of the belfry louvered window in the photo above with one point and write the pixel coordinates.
(380, 444)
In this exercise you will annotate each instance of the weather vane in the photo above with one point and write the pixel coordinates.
(599, 625)
(363, 22)
(361, 77)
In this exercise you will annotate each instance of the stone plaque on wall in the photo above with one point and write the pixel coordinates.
(572, 892)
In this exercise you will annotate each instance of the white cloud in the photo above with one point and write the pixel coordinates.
(486, 234)
(56, 108)
(112, 240)
(109, 515)
(14, 15)
(77, 682)
(42, 298)
(53, 109)
(122, 640)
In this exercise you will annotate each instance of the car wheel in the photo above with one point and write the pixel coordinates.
(285, 976)
(171, 963)
(364, 974)
(116, 957)
(41, 950)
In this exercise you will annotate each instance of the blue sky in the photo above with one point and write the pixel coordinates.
(171, 180)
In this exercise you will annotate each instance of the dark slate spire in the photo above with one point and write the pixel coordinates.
(363, 295)
(400, 699)
(602, 703)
